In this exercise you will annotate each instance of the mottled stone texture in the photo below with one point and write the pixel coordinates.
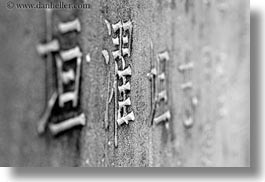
(213, 34)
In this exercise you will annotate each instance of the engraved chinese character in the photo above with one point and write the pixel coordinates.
(122, 39)
(187, 87)
(68, 68)
(160, 112)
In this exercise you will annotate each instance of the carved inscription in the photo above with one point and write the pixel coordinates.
(159, 97)
(68, 68)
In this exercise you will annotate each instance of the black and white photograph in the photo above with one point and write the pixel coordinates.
(125, 83)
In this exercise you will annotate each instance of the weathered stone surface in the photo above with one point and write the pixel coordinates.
(212, 34)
